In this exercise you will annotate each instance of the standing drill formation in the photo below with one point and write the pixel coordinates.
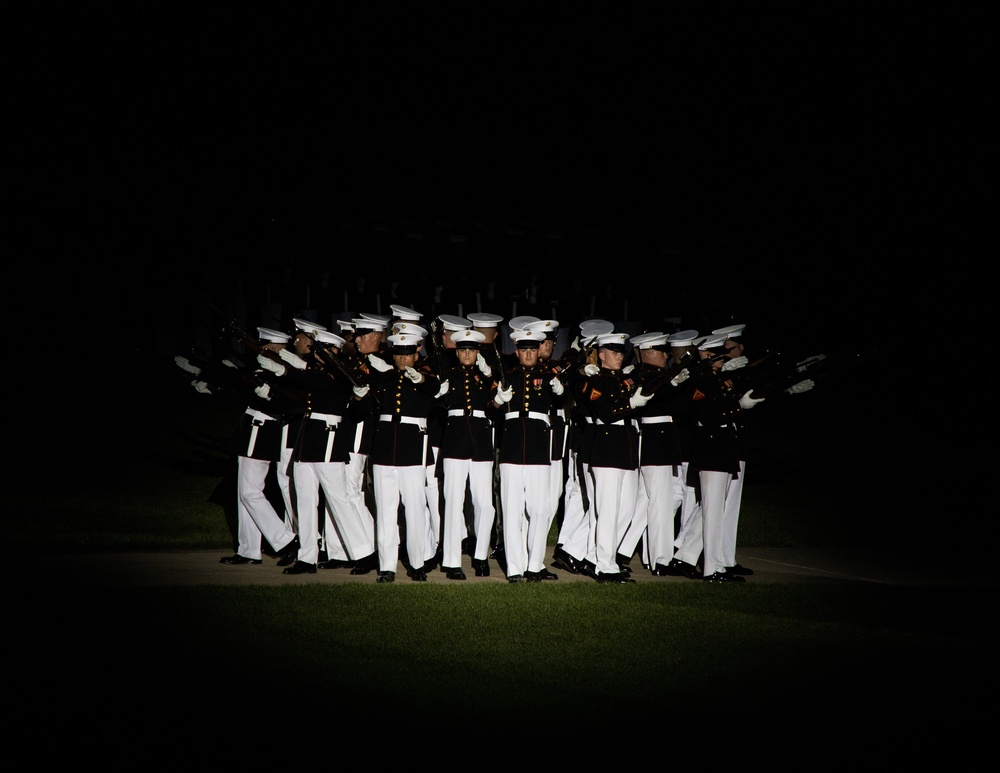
(394, 444)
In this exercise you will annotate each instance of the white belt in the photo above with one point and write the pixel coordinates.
(619, 423)
(420, 422)
(588, 419)
(258, 421)
(332, 422)
(561, 413)
(656, 419)
(329, 418)
(461, 412)
(527, 414)
(259, 415)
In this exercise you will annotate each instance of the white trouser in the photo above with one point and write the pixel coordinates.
(356, 492)
(433, 502)
(636, 528)
(731, 517)
(658, 482)
(480, 479)
(689, 505)
(706, 529)
(256, 516)
(284, 475)
(409, 485)
(524, 495)
(343, 524)
(575, 530)
(615, 493)
(555, 489)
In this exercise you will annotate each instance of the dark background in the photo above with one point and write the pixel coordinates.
(806, 171)
(822, 176)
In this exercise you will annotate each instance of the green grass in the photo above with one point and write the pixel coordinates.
(419, 656)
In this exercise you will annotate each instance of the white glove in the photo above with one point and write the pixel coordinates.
(268, 364)
(185, 364)
(557, 386)
(230, 364)
(292, 359)
(747, 402)
(735, 363)
(445, 386)
(802, 386)
(504, 395)
(378, 363)
(639, 399)
(483, 366)
(680, 378)
(264, 391)
(361, 391)
(576, 344)
(591, 369)
(414, 375)
(201, 386)
(628, 369)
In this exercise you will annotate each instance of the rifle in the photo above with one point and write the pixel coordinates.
(651, 386)
(575, 364)
(785, 374)
(333, 360)
(435, 347)
(230, 326)
(496, 351)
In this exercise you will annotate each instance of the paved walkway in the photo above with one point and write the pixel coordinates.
(770, 565)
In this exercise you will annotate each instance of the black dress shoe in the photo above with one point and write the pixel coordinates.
(587, 569)
(517, 578)
(366, 564)
(418, 575)
(386, 577)
(619, 577)
(623, 561)
(678, 568)
(724, 577)
(532, 577)
(563, 560)
(482, 567)
(737, 569)
(454, 574)
(300, 567)
(236, 559)
(543, 574)
(335, 563)
(289, 553)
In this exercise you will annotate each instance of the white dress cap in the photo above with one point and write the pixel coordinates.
(519, 323)
(520, 335)
(682, 338)
(613, 340)
(468, 337)
(483, 319)
(401, 312)
(713, 341)
(729, 332)
(363, 323)
(308, 326)
(409, 327)
(326, 337)
(451, 322)
(649, 340)
(273, 336)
